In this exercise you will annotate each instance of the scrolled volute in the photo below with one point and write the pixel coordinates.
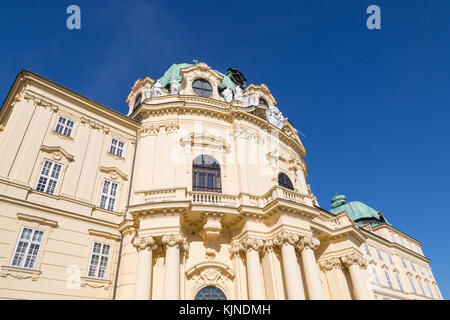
(352, 259)
(144, 242)
(308, 242)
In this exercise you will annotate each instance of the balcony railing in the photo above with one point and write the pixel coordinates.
(220, 199)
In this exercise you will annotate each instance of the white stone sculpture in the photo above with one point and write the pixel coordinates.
(238, 93)
(249, 100)
(175, 86)
(275, 117)
(147, 93)
(157, 89)
(227, 94)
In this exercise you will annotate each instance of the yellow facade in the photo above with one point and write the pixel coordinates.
(154, 236)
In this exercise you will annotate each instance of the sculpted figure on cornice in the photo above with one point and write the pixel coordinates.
(275, 117)
(238, 93)
(227, 95)
(147, 93)
(248, 100)
(354, 258)
(157, 89)
(308, 242)
(175, 86)
(142, 243)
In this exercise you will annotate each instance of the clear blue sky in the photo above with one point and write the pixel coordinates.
(373, 104)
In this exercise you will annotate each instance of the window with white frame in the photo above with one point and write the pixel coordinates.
(116, 147)
(98, 264)
(27, 248)
(367, 249)
(109, 195)
(49, 176)
(412, 285)
(399, 282)
(64, 126)
(375, 273)
(388, 279)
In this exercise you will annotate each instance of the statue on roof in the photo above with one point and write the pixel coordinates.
(157, 89)
(147, 92)
(237, 77)
(238, 93)
(275, 117)
(175, 86)
(227, 94)
(249, 100)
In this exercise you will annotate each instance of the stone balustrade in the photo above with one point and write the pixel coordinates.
(220, 199)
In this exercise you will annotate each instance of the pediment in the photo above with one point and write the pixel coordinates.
(114, 173)
(204, 140)
(261, 91)
(212, 269)
(201, 70)
(57, 153)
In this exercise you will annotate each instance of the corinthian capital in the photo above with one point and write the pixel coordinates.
(330, 264)
(236, 248)
(308, 242)
(352, 259)
(144, 242)
(253, 244)
(286, 238)
(172, 240)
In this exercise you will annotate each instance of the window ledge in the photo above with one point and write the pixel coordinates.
(95, 283)
(63, 136)
(19, 273)
(115, 156)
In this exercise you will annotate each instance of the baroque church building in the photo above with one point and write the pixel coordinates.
(199, 192)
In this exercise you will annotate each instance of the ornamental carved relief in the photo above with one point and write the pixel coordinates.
(40, 102)
(354, 259)
(214, 274)
(175, 240)
(286, 238)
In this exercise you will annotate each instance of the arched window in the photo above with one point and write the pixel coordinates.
(263, 102)
(202, 88)
(206, 174)
(284, 181)
(210, 293)
(138, 101)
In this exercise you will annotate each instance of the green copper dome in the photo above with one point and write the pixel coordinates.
(173, 71)
(359, 212)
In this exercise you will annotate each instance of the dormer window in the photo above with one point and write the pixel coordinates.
(284, 181)
(138, 101)
(202, 88)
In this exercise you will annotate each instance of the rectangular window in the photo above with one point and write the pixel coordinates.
(393, 237)
(48, 177)
(379, 254)
(109, 195)
(421, 288)
(390, 258)
(98, 264)
(431, 292)
(388, 279)
(412, 285)
(116, 147)
(367, 248)
(401, 240)
(375, 273)
(403, 262)
(64, 126)
(399, 283)
(27, 248)
(412, 265)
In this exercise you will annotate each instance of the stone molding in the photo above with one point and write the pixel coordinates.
(39, 220)
(94, 125)
(114, 173)
(285, 237)
(19, 273)
(57, 153)
(40, 102)
(175, 240)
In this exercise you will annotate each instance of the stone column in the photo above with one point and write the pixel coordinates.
(292, 276)
(256, 288)
(172, 243)
(312, 274)
(355, 263)
(145, 247)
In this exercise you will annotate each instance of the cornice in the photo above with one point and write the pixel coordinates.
(39, 220)
(114, 172)
(103, 234)
(57, 152)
